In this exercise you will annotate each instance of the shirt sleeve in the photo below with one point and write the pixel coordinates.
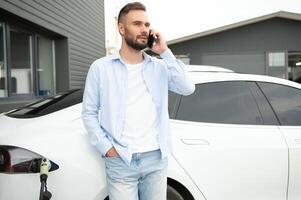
(90, 111)
(178, 80)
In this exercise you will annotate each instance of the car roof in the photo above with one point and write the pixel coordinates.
(206, 68)
(205, 77)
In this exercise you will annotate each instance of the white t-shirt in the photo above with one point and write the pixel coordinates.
(141, 120)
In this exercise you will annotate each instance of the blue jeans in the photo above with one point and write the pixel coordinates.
(144, 179)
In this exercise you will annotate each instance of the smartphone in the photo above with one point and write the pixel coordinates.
(150, 41)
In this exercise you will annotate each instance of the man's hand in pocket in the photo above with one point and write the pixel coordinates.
(112, 152)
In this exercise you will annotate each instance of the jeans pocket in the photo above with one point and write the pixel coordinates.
(113, 162)
(116, 169)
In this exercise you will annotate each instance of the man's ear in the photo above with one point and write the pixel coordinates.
(121, 28)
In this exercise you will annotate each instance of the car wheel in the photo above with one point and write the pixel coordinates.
(173, 194)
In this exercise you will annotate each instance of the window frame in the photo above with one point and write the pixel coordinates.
(8, 27)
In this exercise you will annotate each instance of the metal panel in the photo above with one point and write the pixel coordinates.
(253, 63)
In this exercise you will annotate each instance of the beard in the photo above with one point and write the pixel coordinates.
(132, 42)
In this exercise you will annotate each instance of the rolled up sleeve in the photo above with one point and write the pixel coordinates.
(178, 79)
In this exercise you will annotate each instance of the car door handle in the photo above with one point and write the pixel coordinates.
(195, 142)
(298, 141)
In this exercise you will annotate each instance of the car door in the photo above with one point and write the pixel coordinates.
(221, 140)
(286, 102)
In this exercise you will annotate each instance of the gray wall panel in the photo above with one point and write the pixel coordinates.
(252, 63)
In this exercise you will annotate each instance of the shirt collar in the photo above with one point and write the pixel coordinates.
(116, 56)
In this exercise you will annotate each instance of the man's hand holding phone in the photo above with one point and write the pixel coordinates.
(156, 42)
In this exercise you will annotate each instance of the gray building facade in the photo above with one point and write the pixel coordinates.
(47, 46)
(267, 45)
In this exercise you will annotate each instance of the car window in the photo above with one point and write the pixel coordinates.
(173, 99)
(266, 110)
(286, 102)
(48, 105)
(220, 102)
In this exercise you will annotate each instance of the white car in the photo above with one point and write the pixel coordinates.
(237, 137)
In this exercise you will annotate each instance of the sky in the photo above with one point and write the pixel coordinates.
(179, 18)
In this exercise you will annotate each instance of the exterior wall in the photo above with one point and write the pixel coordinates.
(78, 30)
(254, 39)
(81, 22)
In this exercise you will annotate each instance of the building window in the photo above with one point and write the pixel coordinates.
(46, 69)
(277, 59)
(277, 64)
(27, 65)
(21, 81)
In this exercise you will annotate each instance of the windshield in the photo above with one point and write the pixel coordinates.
(48, 105)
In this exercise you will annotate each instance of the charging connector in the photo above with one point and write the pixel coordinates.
(44, 169)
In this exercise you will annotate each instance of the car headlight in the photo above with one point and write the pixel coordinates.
(19, 160)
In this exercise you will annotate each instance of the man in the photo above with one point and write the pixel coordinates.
(125, 109)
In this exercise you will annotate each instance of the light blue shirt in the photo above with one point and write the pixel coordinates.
(104, 101)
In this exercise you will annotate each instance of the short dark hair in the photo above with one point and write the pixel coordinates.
(128, 7)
